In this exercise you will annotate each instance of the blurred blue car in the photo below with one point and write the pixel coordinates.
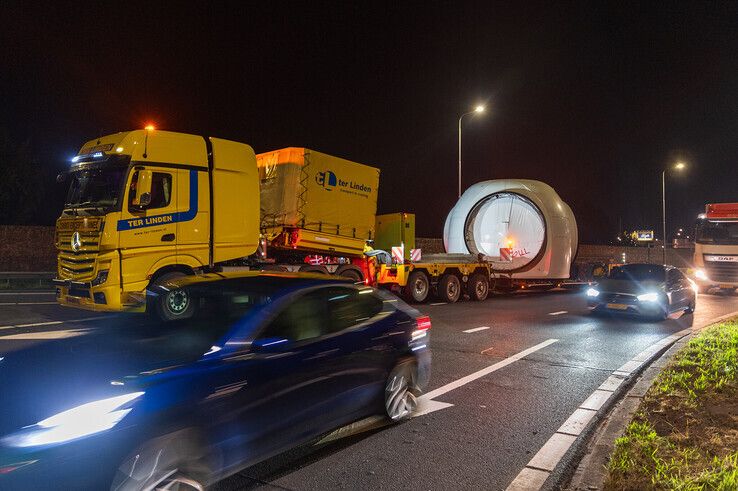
(261, 363)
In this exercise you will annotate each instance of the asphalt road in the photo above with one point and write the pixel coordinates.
(484, 429)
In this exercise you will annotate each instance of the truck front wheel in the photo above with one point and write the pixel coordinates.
(449, 288)
(176, 303)
(417, 287)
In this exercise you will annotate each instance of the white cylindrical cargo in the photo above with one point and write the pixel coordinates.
(523, 226)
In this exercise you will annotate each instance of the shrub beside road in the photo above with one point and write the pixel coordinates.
(685, 433)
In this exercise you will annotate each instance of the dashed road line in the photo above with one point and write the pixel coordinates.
(51, 323)
(45, 335)
(486, 350)
(438, 303)
(476, 329)
(559, 312)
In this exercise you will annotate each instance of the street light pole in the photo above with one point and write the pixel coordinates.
(477, 110)
(677, 166)
(663, 215)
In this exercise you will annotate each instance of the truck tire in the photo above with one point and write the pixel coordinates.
(351, 273)
(449, 288)
(417, 288)
(478, 287)
(310, 268)
(174, 305)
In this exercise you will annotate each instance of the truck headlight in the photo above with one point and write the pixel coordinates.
(648, 297)
(592, 292)
(74, 423)
(101, 278)
(701, 275)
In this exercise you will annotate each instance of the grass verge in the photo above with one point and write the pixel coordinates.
(685, 434)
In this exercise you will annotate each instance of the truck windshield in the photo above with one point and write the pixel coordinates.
(717, 232)
(95, 188)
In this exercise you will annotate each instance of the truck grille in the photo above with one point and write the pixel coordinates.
(722, 271)
(77, 265)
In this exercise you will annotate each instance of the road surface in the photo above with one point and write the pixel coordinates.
(484, 423)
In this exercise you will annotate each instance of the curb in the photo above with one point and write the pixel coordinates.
(591, 470)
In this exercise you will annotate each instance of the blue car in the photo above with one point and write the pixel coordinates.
(261, 363)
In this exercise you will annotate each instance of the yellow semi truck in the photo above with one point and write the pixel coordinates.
(146, 206)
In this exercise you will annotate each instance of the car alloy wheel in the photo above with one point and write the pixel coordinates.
(400, 399)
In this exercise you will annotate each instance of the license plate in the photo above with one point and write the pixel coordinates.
(727, 287)
(72, 299)
(617, 306)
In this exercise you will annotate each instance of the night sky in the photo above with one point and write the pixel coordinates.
(594, 99)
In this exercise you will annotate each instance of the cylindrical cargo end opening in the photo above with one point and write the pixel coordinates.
(508, 227)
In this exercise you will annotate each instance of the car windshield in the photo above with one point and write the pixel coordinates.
(717, 232)
(638, 272)
(95, 188)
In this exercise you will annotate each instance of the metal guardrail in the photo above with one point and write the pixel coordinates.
(22, 280)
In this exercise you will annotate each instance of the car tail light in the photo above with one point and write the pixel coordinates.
(423, 323)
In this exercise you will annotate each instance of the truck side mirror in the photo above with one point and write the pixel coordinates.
(143, 189)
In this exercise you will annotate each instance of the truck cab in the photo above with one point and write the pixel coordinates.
(716, 247)
(139, 210)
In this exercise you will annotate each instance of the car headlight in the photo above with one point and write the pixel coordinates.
(700, 274)
(74, 423)
(592, 292)
(648, 297)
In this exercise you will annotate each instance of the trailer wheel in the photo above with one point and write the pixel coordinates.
(478, 287)
(449, 288)
(351, 274)
(417, 287)
(312, 268)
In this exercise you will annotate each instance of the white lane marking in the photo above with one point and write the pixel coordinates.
(45, 335)
(51, 292)
(477, 329)
(557, 446)
(36, 324)
(28, 303)
(51, 323)
(559, 312)
(426, 399)
(438, 303)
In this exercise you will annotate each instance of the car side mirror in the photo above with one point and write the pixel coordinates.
(268, 344)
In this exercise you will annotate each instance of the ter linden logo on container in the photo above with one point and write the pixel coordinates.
(329, 181)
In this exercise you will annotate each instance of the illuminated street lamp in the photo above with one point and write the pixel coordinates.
(477, 110)
(677, 166)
